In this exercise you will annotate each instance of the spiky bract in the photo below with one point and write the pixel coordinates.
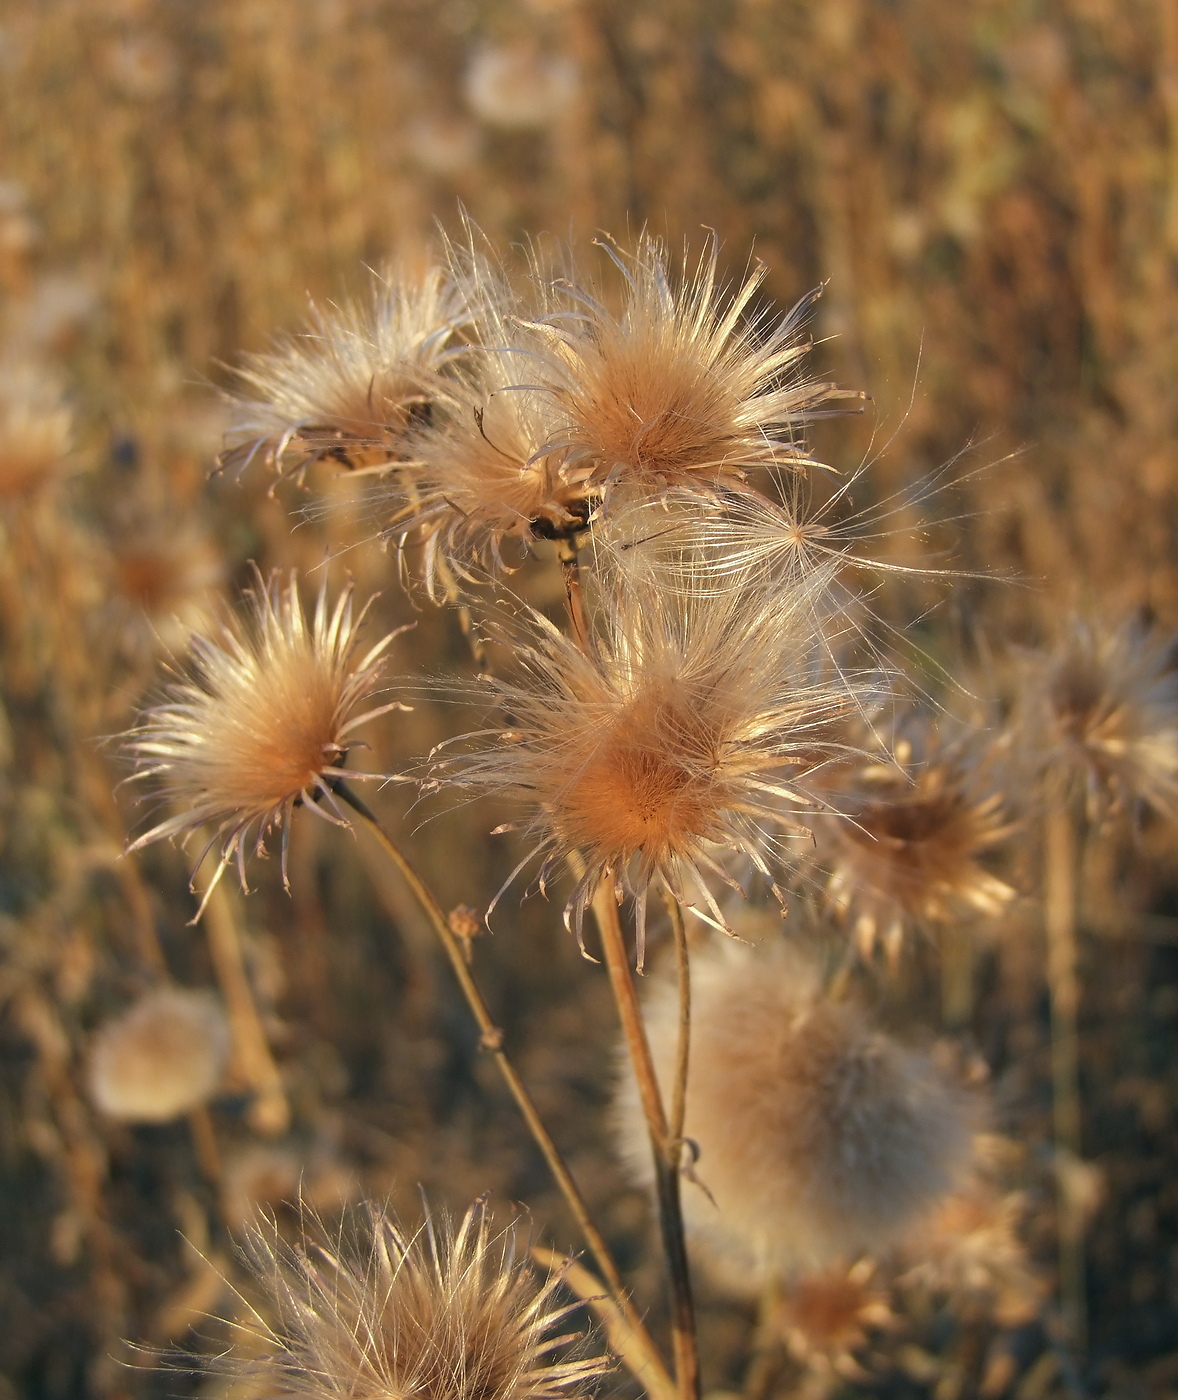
(258, 719)
(445, 1313)
(818, 1136)
(681, 729)
(352, 386)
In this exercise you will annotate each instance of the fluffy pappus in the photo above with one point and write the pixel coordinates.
(163, 1057)
(682, 728)
(818, 1136)
(447, 1312)
(352, 386)
(260, 718)
(685, 383)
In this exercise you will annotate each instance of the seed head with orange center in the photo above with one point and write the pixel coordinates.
(684, 384)
(912, 852)
(680, 731)
(258, 720)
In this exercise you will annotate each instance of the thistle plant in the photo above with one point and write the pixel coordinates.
(673, 741)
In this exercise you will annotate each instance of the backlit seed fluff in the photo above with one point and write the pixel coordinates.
(913, 850)
(351, 386)
(443, 1313)
(681, 731)
(163, 1057)
(1101, 711)
(818, 1136)
(684, 383)
(258, 719)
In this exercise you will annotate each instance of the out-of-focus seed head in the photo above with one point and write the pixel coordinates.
(35, 429)
(682, 729)
(353, 386)
(1102, 711)
(826, 1318)
(911, 852)
(260, 718)
(445, 1313)
(818, 1136)
(163, 1057)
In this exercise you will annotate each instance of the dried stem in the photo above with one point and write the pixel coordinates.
(269, 1113)
(492, 1042)
(1059, 911)
(664, 1149)
(618, 1331)
(683, 1050)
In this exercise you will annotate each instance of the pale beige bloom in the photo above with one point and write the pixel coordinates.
(351, 387)
(817, 1137)
(445, 1313)
(163, 1057)
(260, 719)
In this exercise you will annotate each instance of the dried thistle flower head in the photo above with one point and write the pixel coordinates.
(484, 470)
(1102, 711)
(678, 732)
(818, 1136)
(827, 1317)
(163, 1057)
(684, 384)
(912, 850)
(446, 1313)
(260, 719)
(352, 386)
(35, 428)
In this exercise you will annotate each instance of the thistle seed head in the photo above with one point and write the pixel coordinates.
(260, 718)
(448, 1312)
(818, 1136)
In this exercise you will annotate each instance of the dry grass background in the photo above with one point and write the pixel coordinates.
(990, 190)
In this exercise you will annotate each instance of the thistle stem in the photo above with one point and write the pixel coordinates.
(683, 1050)
(658, 1381)
(1059, 911)
(664, 1149)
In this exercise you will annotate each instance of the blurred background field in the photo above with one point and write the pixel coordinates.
(989, 191)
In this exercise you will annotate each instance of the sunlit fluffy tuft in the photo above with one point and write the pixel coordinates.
(818, 1136)
(682, 730)
(260, 718)
(351, 386)
(683, 384)
(163, 1057)
(446, 1313)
